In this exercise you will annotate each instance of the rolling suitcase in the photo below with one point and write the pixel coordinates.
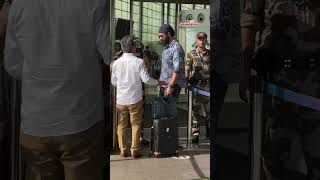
(164, 132)
(164, 137)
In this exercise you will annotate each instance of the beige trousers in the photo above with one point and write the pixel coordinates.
(135, 112)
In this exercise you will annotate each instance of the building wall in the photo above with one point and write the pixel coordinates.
(151, 16)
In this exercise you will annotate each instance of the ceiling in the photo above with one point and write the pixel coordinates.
(179, 1)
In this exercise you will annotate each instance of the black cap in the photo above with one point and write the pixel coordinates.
(166, 28)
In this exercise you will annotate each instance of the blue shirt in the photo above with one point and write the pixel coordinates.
(55, 48)
(173, 61)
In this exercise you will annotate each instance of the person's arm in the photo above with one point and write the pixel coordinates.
(178, 67)
(247, 43)
(13, 57)
(188, 69)
(4, 18)
(102, 26)
(217, 29)
(115, 57)
(111, 64)
(145, 77)
(250, 21)
(174, 79)
(113, 75)
(189, 66)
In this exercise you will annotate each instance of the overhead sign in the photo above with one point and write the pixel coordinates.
(189, 24)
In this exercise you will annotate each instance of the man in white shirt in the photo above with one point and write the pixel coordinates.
(128, 73)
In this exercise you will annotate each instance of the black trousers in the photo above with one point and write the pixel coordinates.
(218, 91)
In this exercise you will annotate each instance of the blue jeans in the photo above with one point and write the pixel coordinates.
(170, 102)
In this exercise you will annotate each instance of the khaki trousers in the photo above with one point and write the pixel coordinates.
(71, 157)
(135, 112)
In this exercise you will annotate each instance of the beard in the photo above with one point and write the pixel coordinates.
(164, 42)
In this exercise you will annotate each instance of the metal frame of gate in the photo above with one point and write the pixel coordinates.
(256, 128)
(12, 100)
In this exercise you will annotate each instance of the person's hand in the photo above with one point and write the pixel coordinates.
(169, 90)
(186, 89)
(160, 84)
(244, 91)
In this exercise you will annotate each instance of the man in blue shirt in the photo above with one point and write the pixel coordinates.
(172, 69)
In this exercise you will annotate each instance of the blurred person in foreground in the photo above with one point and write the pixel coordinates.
(274, 31)
(56, 52)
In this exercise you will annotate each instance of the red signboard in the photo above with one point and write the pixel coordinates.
(189, 24)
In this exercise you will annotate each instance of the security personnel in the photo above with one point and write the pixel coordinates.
(198, 72)
(282, 30)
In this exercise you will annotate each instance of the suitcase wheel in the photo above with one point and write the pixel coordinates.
(177, 154)
(157, 154)
(151, 153)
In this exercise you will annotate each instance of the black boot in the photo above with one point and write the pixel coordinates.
(195, 140)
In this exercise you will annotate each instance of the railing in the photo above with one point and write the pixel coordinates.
(262, 87)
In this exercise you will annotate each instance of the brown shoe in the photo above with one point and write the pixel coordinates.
(135, 155)
(123, 155)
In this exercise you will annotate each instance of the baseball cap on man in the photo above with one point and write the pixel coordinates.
(202, 34)
(166, 28)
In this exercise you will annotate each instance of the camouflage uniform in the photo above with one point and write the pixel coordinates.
(287, 29)
(199, 66)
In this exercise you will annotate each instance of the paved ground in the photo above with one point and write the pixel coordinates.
(194, 164)
(191, 164)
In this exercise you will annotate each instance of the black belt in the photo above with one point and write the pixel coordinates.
(265, 61)
(206, 81)
(299, 64)
(202, 83)
(198, 82)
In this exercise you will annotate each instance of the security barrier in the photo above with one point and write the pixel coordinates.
(260, 88)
